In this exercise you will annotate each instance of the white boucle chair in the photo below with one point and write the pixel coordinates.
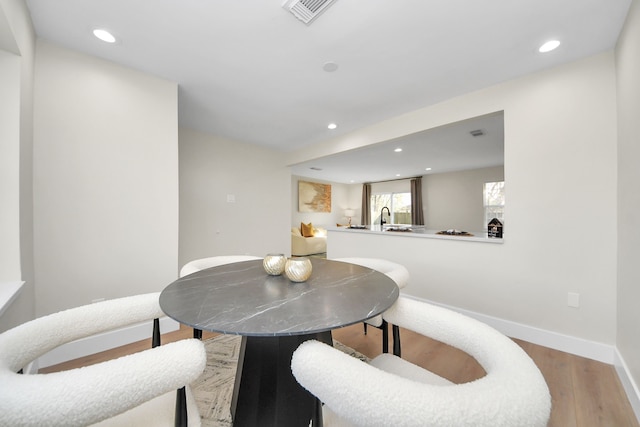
(135, 390)
(399, 274)
(393, 392)
(201, 264)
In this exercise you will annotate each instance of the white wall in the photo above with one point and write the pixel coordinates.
(105, 180)
(339, 202)
(9, 166)
(17, 36)
(628, 73)
(257, 223)
(455, 199)
(560, 166)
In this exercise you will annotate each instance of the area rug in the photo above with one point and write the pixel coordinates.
(213, 389)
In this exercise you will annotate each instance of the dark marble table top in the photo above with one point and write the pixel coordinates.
(240, 298)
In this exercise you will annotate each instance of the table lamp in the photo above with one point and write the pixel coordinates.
(349, 213)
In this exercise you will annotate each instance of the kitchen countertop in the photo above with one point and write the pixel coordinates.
(419, 231)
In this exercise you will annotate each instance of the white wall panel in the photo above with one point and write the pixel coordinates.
(105, 180)
(628, 73)
(560, 170)
(234, 198)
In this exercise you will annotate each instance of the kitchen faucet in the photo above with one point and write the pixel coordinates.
(382, 220)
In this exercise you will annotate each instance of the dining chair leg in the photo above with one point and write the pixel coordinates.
(155, 340)
(181, 408)
(396, 340)
(317, 415)
(385, 336)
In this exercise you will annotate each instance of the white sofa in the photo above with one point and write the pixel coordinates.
(301, 246)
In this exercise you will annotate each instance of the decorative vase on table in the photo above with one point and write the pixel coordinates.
(274, 264)
(298, 269)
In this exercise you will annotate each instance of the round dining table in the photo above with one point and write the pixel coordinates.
(274, 316)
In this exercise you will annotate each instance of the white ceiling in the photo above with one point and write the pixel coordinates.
(444, 149)
(250, 71)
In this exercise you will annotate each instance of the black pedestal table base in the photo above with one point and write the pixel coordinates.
(266, 394)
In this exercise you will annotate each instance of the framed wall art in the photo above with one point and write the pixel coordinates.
(314, 197)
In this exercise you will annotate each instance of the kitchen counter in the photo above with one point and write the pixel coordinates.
(418, 231)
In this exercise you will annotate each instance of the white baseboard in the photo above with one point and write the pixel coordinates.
(629, 385)
(101, 342)
(574, 345)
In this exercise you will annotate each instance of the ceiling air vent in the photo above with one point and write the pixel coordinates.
(307, 10)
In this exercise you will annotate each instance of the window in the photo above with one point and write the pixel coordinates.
(493, 201)
(399, 205)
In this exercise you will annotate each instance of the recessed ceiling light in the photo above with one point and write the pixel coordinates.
(397, 150)
(427, 169)
(549, 46)
(397, 174)
(332, 126)
(104, 35)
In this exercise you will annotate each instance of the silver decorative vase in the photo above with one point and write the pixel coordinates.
(274, 264)
(298, 269)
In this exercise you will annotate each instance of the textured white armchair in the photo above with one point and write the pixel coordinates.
(135, 390)
(399, 274)
(393, 392)
(214, 261)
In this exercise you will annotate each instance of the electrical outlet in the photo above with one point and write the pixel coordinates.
(573, 299)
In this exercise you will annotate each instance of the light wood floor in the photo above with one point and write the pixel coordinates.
(585, 393)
